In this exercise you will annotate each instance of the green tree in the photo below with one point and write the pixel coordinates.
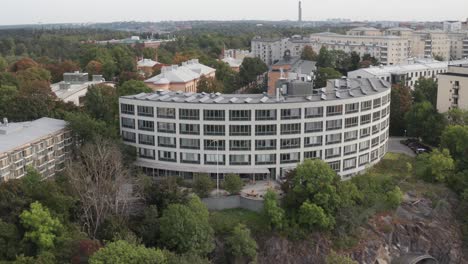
(400, 104)
(203, 185)
(240, 244)
(324, 74)
(355, 59)
(325, 59)
(394, 197)
(308, 54)
(86, 128)
(272, 212)
(3, 64)
(425, 90)
(94, 67)
(122, 252)
(9, 241)
(209, 85)
(425, 122)
(457, 116)
(312, 216)
(7, 98)
(250, 69)
(434, 166)
(101, 102)
(42, 228)
(334, 258)
(148, 228)
(233, 183)
(33, 74)
(133, 87)
(455, 139)
(186, 228)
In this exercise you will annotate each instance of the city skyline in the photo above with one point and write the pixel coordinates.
(53, 11)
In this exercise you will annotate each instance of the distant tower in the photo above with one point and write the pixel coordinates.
(300, 12)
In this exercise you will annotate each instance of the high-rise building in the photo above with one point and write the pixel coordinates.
(452, 89)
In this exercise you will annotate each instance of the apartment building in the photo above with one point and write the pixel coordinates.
(181, 78)
(74, 86)
(291, 68)
(146, 66)
(269, 50)
(257, 135)
(44, 144)
(452, 89)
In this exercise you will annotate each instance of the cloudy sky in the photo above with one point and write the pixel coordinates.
(60, 11)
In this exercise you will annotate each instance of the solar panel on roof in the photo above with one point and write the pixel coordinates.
(191, 98)
(218, 93)
(188, 94)
(309, 98)
(138, 96)
(152, 97)
(233, 100)
(323, 97)
(372, 85)
(337, 83)
(337, 94)
(323, 90)
(248, 100)
(219, 99)
(165, 92)
(206, 98)
(179, 92)
(264, 99)
(384, 84)
(363, 91)
(351, 93)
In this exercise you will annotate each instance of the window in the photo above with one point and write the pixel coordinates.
(363, 159)
(213, 159)
(127, 109)
(294, 113)
(146, 153)
(239, 115)
(374, 154)
(377, 102)
(214, 144)
(288, 129)
(351, 121)
(383, 112)
(165, 127)
(263, 130)
(262, 159)
(312, 154)
(333, 152)
(169, 142)
(239, 159)
(375, 141)
(375, 129)
(333, 138)
(310, 127)
(350, 135)
(367, 105)
(290, 157)
(335, 165)
(189, 129)
(164, 112)
(350, 149)
(128, 122)
(334, 124)
(364, 145)
(265, 114)
(146, 139)
(289, 143)
(365, 119)
(382, 138)
(128, 136)
(239, 130)
(312, 141)
(239, 145)
(146, 125)
(216, 115)
(189, 143)
(264, 144)
(311, 112)
(214, 130)
(334, 110)
(167, 156)
(365, 132)
(145, 111)
(189, 114)
(376, 116)
(192, 158)
(352, 108)
(349, 164)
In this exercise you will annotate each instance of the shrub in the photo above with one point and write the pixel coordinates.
(233, 183)
(203, 185)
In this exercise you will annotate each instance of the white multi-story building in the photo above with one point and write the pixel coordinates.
(74, 86)
(43, 144)
(269, 50)
(452, 89)
(452, 25)
(176, 133)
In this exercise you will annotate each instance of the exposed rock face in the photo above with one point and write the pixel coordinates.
(417, 226)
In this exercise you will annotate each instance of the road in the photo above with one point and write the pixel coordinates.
(395, 146)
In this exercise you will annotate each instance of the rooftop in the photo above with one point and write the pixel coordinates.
(15, 135)
(146, 63)
(189, 71)
(232, 62)
(335, 90)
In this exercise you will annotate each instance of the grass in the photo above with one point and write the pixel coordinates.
(224, 221)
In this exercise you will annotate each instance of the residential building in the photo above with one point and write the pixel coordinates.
(452, 26)
(364, 31)
(269, 50)
(146, 66)
(180, 78)
(234, 64)
(43, 144)
(74, 86)
(291, 68)
(452, 89)
(236, 54)
(257, 135)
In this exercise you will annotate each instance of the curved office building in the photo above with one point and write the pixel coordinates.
(345, 124)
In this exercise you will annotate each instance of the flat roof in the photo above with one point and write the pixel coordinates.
(335, 90)
(18, 134)
(72, 89)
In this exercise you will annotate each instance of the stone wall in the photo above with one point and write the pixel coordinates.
(233, 201)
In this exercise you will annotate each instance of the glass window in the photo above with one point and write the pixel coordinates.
(214, 144)
(169, 142)
(239, 130)
(145, 111)
(334, 110)
(189, 129)
(214, 130)
(367, 105)
(289, 143)
(164, 112)
(216, 115)
(146, 139)
(376, 102)
(127, 109)
(239, 115)
(263, 130)
(189, 114)
(364, 145)
(375, 141)
(316, 154)
(376, 116)
(193, 158)
(167, 156)
(146, 125)
(239, 144)
(128, 122)
(312, 141)
(365, 119)
(311, 112)
(310, 127)
(165, 127)
(128, 136)
(290, 157)
(287, 129)
(264, 144)
(334, 124)
(189, 143)
(333, 138)
(335, 165)
(333, 152)
(363, 159)
(294, 113)
(349, 164)
(350, 149)
(213, 159)
(351, 121)
(351, 135)
(146, 153)
(265, 114)
(239, 159)
(352, 108)
(262, 159)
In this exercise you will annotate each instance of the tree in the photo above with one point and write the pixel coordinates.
(23, 64)
(101, 102)
(58, 69)
(34, 100)
(240, 244)
(400, 104)
(122, 252)
(42, 227)
(434, 166)
(185, 228)
(394, 198)
(425, 90)
(94, 67)
(457, 116)
(209, 85)
(148, 229)
(203, 184)
(101, 181)
(425, 122)
(33, 74)
(324, 74)
(308, 54)
(86, 128)
(3, 64)
(355, 60)
(7, 98)
(312, 216)
(455, 139)
(9, 241)
(272, 212)
(233, 183)
(250, 69)
(133, 87)
(325, 59)
(334, 258)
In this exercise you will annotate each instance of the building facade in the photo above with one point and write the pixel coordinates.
(74, 86)
(176, 133)
(291, 68)
(44, 144)
(452, 91)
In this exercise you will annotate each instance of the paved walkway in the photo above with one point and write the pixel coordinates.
(395, 146)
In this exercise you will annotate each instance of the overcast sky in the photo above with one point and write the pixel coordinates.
(64, 11)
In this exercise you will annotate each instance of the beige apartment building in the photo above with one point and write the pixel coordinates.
(44, 144)
(452, 91)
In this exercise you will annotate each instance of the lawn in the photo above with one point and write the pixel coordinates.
(224, 221)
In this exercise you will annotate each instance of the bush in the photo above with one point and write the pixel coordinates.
(233, 183)
(203, 185)
(334, 258)
(240, 243)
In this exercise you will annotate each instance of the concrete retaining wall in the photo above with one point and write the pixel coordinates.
(233, 201)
